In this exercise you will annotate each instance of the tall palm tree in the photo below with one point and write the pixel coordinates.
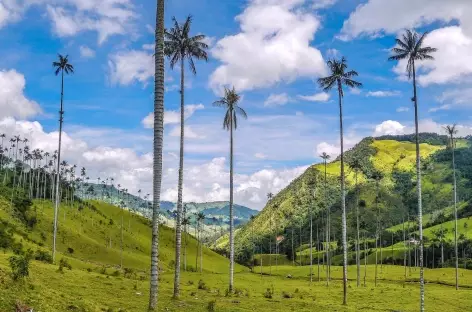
(269, 198)
(451, 131)
(158, 146)
(357, 166)
(325, 158)
(62, 66)
(230, 102)
(180, 46)
(339, 77)
(411, 48)
(200, 221)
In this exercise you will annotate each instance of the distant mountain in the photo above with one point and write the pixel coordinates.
(216, 213)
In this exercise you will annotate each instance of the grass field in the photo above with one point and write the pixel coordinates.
(96, 283)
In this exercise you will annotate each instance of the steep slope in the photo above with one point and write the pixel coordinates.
(394, 158)
(91, 233)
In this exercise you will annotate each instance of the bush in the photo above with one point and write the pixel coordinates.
(43, 256)
(269, 293)
(202, 285)
(116, 273)
(20, 265)
(211, 306)
(63, 263)
(286, 295)
(129, 273)
(70, 250)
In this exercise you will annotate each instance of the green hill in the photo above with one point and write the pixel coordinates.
(392, 202)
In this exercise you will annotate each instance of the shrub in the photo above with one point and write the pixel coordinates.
(20, 265)
(286, 295)
(70, 250)
(202, 285)
(110, 222)
(103, 270)
(190, 282)
(43, 256)
(63, 263)
(269, 293)
(129, 273)
(17, 248)
(116, 273)
(211, 306)
(238, 292)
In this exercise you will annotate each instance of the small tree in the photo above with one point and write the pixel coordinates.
(20, 265)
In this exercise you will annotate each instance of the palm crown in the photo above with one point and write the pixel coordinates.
(411, 47)
(339, 76)
(230, 101)
(179, 45)
(63, 65)
(325, 156)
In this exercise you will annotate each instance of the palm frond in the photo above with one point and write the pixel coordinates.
(327, 83)
(241, 111)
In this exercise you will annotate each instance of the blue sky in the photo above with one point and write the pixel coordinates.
(272, 51)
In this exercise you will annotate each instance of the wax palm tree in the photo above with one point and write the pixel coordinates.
(180, 46)
(61, 66)
(200, 221)
(356, 165)
(230, 102)
(451, 131)
(339, 77)
(185, 224)
(325, 158)
(269, 198)
(158, 146)
(411, 48)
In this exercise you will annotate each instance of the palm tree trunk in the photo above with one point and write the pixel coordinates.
(442, 247)
(418, 185)
(365, 259)
(270, 246)
(293, 250)
(343, 198)
(158, 146)
(121, 247)
(231, 221)
(58, 179)
(455, 211)
(358, 258)
(318, 251)
(311, 247)
(376, 256)
(178, 230)
(404, 246)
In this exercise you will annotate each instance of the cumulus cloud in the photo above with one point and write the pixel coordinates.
(277, 100)
(172, 117)
(86, 52)
(454, 43)
(273, 46)
(389, 127)
(323, 4)
(13, 101)
(126, 67)
(107, 18)
(318, 97)
(383, 93)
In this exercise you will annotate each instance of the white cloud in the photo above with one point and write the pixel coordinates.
(402, 109)
(277, 100)
(327, 148)
(383, 93)
(172, 117)
(318, 97)
(355, 91)
(86, 52)
(13, 101)
(273, 46)
(107, 18)
(389, 127)
(127, 67)
(461, 97)
(454, 43)
(439, 108)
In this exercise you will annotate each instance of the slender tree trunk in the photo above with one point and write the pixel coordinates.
(311, 247)
(358, 257)
(122, 245)
(178, 229)
(365, 259)
(293, 250)
(376, 256)
(270, 245)
(442, 247)
(404, 246)
(455, 211)
(231, 221)
(418, 185)
(158, 146)
(58, 180)
(318, 251)
(343, 198)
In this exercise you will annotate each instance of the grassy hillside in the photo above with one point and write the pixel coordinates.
(391, 202)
